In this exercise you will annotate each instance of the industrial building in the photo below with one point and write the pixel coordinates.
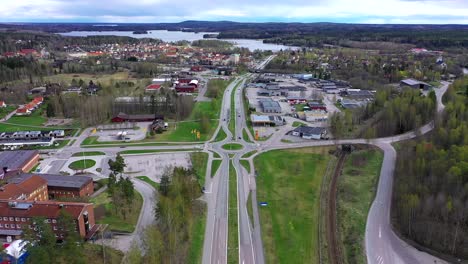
(264, 120)
(267, 105)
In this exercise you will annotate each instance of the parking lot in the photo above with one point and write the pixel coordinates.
(154, 165)
(125, 134)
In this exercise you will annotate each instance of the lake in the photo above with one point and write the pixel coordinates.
(172, 36)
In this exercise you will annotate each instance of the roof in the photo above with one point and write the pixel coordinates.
(16, 190)
(153, 86)
(309, 130)
(16, 159)
(53, 180)
(259, 118)
(265, 103)
(48, 209)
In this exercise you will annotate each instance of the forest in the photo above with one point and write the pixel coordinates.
(430, 202)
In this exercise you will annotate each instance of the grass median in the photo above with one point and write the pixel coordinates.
(233, 236)
(291, 188)
(199, 165)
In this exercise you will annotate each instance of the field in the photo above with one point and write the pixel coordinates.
(199, 163)
(356, 191)
(116, 222)
(82, 164)
(215, 166)
(291, 187)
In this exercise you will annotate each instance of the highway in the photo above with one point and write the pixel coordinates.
(382, 244)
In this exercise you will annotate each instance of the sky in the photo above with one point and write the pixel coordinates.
(155, 11)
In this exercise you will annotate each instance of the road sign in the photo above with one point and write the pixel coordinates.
(263, 203)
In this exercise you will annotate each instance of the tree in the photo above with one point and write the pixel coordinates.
(41, 242)
(117, 166)
(50, 111)
(164, 184)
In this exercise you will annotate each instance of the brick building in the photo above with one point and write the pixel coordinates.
(60, 186)
(18, 160)
(33, 188)
(17, 215)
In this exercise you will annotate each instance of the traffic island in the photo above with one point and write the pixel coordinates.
(232, 146)
(82, 164)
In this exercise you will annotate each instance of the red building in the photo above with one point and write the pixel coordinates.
(185, 88)
(33, 188)
(16, 215)
(197, 68)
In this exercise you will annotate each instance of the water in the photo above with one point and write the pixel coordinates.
(172, 36)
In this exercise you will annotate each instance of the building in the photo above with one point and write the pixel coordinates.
(415, 84)
(33, 188)
(16, 215)
(358, 94)
(122, 117)
(2, 104)
(267, 105)
(18, 160)
(19, 143)
(351, 104)
(264, 120)
(60, 186)
(307, 132)
(314, 105)
(316, 116)
(153, 87)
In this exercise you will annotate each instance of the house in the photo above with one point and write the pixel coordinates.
(415, 84)
(59, 186)
(33, 188)
(15, 215)
(267, 105)
(122, 117)
(185, 88)
(351, 104)
(314, 105)
(2, 104)
(18, 160)
(153, 87)
(307, 132)
(263, 120)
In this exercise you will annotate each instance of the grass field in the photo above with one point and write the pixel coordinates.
(232, 146)
(356, 191)
(232, 119)
(291, 187)
(88, 153)
(215, 166)
(115, 221)
(199, 163)
(233, 238)
(149, 181)
(82, 164)
(246, 136)
(249, 154)
(198, 234)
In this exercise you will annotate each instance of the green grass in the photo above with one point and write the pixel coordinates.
(221, 135)
(198, 235)
(149, 151)
(33, 169)
(233, 238)
(286, 141)
(115, 221)
(246, 136)
(199, 163)
(58, 144)
(356, 191)
(91, 142)
(216, 155)
(88, 153)
(215, 166)
(232, 119)
(82, 164)
(5, 111)
(291, 187)
(250, 209)
(246, 165)
(94, 254)
(297, 123)
(232, 146)
(249, 154)
(299, 107)
(149, 181)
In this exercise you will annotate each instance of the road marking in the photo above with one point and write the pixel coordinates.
(380, 232)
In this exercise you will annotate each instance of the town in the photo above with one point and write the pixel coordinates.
(121, 147)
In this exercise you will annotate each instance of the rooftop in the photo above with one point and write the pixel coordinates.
(55, 180)
(16, 159)
(48, 209)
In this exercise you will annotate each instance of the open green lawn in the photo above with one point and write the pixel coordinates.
(299, 107)
(232, 146)
(198, 234)
(82, 164)
(149, 181)
(356, 191)
(289, 181)
(115, 221)
(199, 163)
(233, 237)
(88, 153)
(215, 166)
(297, 123)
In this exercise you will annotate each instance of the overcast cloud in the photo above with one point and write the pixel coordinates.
(153, 11)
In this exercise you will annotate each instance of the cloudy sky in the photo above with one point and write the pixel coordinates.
(151, 11)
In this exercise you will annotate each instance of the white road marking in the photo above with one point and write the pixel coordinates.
(380, 232)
